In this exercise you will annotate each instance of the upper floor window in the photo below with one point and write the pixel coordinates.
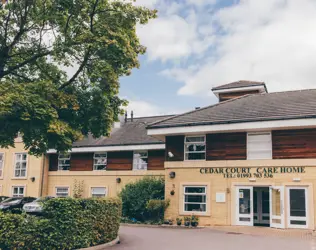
(99, 161)
(140, 160)
(64, 161)
(20, 165)
(1, 164)
(194, 148)
(259, 146)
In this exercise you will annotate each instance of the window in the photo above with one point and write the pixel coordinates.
(194, 148)
(140, 160)
(64, 161)
(1, 164)
(297, 207)
(98, 192)
(18, 191)
(99, 161)
(20, 165)
(195, 198)
(62, 191)
(259, 146)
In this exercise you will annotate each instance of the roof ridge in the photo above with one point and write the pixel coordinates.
(152, 116)
(197, 110)
(287, 91)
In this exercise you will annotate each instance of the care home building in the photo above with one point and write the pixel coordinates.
(248, 160)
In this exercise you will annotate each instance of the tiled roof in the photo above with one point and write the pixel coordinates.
(239, 84)
(259, 107)
(130, 133)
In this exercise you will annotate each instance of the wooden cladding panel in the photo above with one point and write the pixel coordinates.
(231, 95)
(53, 162)
(81, 162)
(228, 146)
(122, 160)
(156, 160)
(294, 144)
(175, 145)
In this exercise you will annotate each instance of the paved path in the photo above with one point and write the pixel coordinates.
(143, 238)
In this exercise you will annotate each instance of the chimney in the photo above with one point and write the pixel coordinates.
(132, 116)
(125, 116)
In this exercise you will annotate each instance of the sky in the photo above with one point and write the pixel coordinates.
(195, 45)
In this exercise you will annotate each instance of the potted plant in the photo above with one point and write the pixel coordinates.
(187, 221)
(170, 222)
(179, 221)
(194, 221)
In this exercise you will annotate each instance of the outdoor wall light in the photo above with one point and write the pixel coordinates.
(172, 175)
(32, 179)
(118, 180)
(172, 192)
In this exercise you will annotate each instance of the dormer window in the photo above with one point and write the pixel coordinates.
(194, 148)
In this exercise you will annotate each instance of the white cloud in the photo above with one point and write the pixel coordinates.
(146, 3)
(200, 2)
(271, 41)
(144, 108)
(173, 37)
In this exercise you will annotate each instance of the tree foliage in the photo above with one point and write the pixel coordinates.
(60, 63)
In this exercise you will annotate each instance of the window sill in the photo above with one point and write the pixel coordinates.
(19, 178)
(203, 214)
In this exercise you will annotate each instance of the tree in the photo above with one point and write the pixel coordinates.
(60, 63)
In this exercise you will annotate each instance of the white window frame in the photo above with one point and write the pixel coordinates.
(22, 161)
(1, 165)
(289, 217)
(64, 187)
(60, 166)
(18, 187)
(270, 145)
(199, 152)
(94, 158)
(195, 194)
(136, 165)
(105, 193)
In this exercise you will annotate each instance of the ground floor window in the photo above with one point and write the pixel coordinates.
(62, 191)
(297, 207)
(195, 198)
(98, 192)
(18, 191)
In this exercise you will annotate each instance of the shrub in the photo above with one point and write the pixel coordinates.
(157, 208)
(68, 224)
(135, 197)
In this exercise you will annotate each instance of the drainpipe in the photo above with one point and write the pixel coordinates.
(42, 181)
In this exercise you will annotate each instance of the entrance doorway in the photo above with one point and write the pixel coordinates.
(261, 206)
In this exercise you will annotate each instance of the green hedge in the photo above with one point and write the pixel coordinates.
(136, 196)
(67, 224)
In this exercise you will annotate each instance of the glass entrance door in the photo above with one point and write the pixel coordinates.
(297, 207)
(277, 207)
(244, 209)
